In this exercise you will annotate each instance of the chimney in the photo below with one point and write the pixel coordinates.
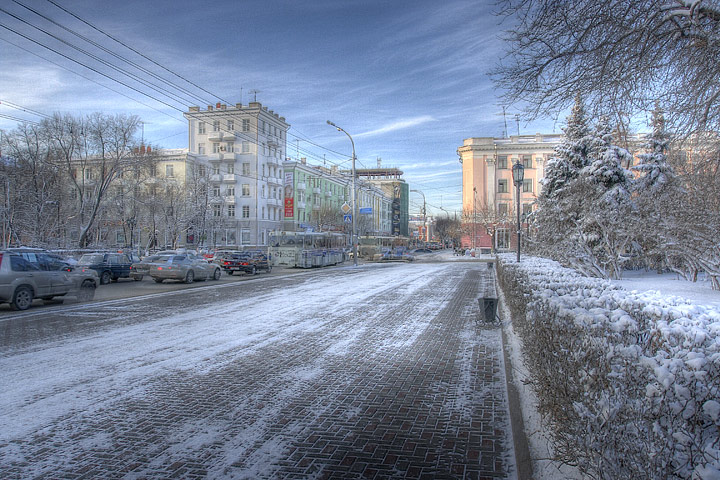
(210, 107)
(303, 160)
(142, 149)
(218, 105)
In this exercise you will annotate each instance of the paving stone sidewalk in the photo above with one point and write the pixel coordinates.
(435, 408)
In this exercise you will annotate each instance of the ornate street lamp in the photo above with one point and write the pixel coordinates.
(518, 173)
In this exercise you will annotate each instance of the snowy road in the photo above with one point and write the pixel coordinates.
(376, 371)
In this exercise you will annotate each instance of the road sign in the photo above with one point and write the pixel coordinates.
(345, 208)
(347, 218)
(366, 210)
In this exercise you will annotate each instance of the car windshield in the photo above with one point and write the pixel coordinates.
(91, 258)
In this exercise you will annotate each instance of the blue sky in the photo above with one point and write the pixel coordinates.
(407, 79)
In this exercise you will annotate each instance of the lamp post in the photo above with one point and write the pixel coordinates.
(354, 203)
(518, 173)
(427, 235)
(474, 229)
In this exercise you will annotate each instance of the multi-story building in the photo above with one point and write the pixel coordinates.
(244, 148)
(488, 191)
(315, 195)
(390, 181)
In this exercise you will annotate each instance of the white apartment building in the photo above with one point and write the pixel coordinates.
(244, 148)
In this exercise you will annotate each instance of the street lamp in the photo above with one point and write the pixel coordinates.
(354, 203)
(518, 173)
(427, 234)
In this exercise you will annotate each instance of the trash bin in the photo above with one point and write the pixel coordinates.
(490, 265)
(488, 308)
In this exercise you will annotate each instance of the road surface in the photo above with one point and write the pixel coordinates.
(376, 371)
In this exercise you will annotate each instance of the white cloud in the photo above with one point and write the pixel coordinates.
(398, 125)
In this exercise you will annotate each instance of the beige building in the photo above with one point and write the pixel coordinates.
(487, 182)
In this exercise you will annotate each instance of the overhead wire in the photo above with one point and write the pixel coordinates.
(165, 92)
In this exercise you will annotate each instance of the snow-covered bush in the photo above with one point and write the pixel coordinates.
(629, 382)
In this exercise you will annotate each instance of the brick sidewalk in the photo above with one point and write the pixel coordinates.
(437, 408)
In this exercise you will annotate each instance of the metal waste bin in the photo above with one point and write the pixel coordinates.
(488, 307)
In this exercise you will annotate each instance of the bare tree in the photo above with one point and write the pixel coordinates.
(624, 56)
(31, 187)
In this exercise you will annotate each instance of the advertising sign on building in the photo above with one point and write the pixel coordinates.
(289, 195)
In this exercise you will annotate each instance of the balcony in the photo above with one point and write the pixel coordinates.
(301, 186)
(328, 194)
(228, 178)
(317, 190)
(221, 137)
(229, 199)
(215, 177)
(274, 181)
(301, 205)
(275, 202)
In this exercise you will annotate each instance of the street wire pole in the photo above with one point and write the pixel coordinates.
(354, 203)
(427, 234)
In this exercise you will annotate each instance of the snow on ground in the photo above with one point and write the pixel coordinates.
(670, 285)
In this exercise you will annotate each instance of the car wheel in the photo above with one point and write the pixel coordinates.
(269, 269)
(87, 291)
(105, 278)
(190, 277)
(253, 271)
(22, 298)
(158, 280)
(216, 274)
(230, 272)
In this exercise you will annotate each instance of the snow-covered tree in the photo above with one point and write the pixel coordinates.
(583, 211)
(623, 56)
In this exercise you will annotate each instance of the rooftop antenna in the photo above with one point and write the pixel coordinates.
(254, 93)
(240, 94)
(505, 132)
(142, 138)
(517, 119)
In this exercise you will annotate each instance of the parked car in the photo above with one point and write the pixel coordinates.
(109, 266)
(183, 267)
(26, 274)
(246, 261)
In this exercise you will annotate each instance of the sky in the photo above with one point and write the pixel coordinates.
(407, 79)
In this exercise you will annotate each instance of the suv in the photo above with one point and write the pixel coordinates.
(26, 274)
(109, 266)
(246, 261)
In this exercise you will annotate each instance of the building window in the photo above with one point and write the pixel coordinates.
(527, 185)
(216, 126)
(217, 210)
(169, 171)
(216, 170)
(201, 127)
(201, 149)
(216, 190)
(201, 170)
(502, 208)
(230, 147)
(153, 170)
(246, 211)
(245, 147)
(231, 210)
(263, 213)
(246, 125)
(262, 123)
(527, 161)
(246, 169)
(262, 192)
(527, 209)
(502, 161)
(245, 190)
(230, 192)
(216, 148)
(231, 168)
(502, 186)
(502, 238)
(230, 125)
(245, 236)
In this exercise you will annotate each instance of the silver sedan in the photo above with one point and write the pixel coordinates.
(183, 267)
